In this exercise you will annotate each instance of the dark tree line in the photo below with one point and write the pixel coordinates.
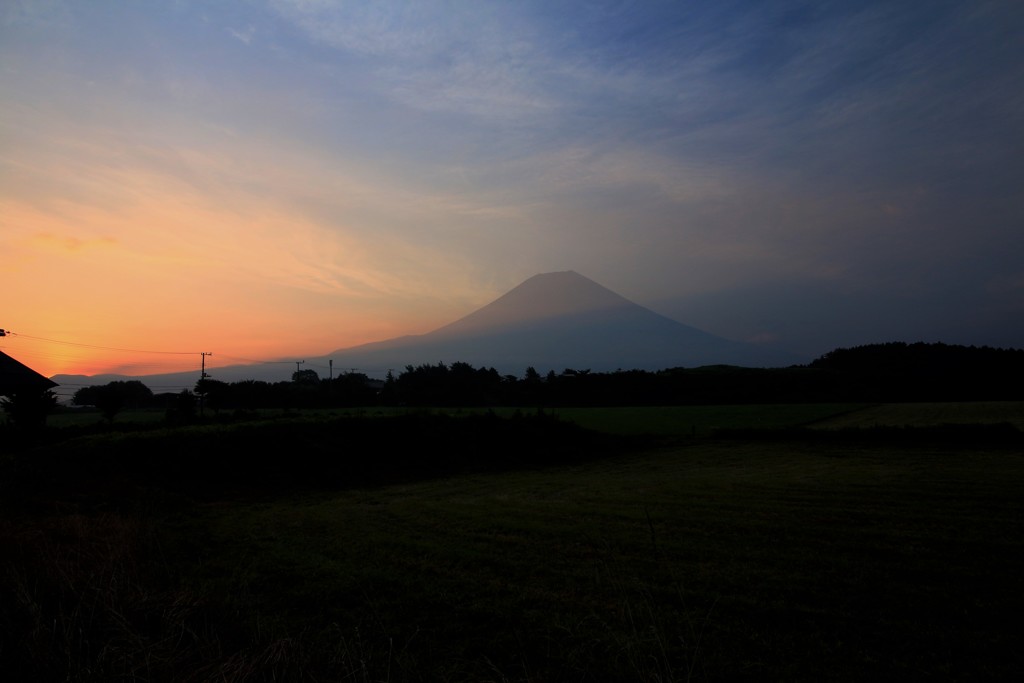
(881, 372)
(898, 371)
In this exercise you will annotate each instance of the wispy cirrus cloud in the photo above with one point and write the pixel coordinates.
(244, 35)
(357, 156)
(478, 59)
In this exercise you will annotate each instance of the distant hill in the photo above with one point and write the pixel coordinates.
(552, 321)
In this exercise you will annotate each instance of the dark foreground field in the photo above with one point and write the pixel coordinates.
(516, 549)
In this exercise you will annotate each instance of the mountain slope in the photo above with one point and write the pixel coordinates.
(555, 321)
(552, 321)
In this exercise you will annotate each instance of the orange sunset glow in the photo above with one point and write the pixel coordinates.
(267, 181)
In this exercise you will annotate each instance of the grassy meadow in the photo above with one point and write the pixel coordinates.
(672, 421)
(711, 552)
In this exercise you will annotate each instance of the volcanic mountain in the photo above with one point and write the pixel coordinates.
(555, 321)
(552, 321)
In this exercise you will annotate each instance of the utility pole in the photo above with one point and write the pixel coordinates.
(202, 376)
(330, 366)
(297, 364)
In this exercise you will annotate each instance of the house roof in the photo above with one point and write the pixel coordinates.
(16, 377)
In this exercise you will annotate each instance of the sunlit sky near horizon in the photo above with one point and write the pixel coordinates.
(269, 179)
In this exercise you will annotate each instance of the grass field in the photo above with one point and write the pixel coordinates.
(708, 559)
(701, 420)
(697, 420)
(928, 414)
(724, 563)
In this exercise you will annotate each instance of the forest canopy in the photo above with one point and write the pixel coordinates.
(894, 371)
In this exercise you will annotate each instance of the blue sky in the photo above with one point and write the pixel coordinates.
(812, 174)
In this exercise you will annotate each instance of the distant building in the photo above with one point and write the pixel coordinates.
(16, 377)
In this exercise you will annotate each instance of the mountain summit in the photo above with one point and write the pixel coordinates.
(542, 297)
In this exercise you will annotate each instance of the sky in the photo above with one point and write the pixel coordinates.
(269, 179)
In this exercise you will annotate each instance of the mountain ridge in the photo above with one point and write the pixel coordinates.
(560, 320)
(551, 321)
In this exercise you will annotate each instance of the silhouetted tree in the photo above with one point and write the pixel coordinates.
(28, 409)
(110, 400)
(250, 394)
(214, 393)
(352, 389)
(389, 392)
(307, 377)
(183, 409)
(113, 397)
(304, 391)
(130, 394)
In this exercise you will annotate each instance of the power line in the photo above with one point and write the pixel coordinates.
(252, 360)
(104, 348)
(149, 351)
